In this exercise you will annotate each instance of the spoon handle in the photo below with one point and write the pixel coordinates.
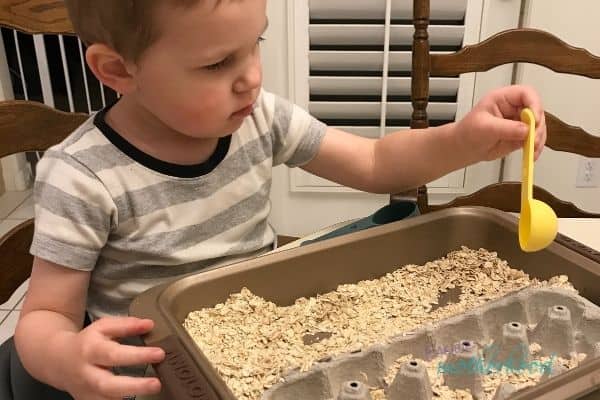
(527, 185)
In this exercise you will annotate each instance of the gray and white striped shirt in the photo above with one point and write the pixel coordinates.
(101, 205)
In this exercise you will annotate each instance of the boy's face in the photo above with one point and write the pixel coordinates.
(203, 75)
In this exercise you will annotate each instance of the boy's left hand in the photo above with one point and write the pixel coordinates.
(494, 129)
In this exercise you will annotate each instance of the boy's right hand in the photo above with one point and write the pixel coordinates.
(94, 351)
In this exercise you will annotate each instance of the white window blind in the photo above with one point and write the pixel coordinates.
(347, 52)
(359, 68)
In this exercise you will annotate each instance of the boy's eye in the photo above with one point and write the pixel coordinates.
(218, 65)
(226, 61)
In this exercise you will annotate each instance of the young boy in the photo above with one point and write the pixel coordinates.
(175, 176)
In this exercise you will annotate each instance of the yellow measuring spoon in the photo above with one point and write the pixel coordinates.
(538, 224)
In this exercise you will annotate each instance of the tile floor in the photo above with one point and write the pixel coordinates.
(15, 207)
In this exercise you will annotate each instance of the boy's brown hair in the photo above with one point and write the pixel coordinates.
(127, 26)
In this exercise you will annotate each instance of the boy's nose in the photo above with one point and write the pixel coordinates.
(250, 79)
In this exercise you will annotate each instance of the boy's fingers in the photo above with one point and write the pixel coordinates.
(508, 147)
(539, 147)
(509, 130)
(542, 123)
(123, 327)
(523, 96)
(514, 146)
(113, 386)
(540, 140)
(113, 354)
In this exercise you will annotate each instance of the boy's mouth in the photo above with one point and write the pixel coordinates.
(243, 112)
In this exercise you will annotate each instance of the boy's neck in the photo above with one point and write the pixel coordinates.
(147, 133)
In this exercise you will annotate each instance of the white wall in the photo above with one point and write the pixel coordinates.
(575, 100)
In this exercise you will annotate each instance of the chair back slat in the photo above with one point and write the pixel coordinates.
(571, 139)
(506, 196)
(31, 126)
(16, 260)
(36, 16)
(518, 45)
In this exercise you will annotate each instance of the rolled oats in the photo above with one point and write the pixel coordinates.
(253, 343)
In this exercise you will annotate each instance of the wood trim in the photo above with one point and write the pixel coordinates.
(282, 240)
(421, 70)
(420, 65)
(36, 16)
(572, 139)
(506, 196)
(16, 262)
(31, 126)
(423, 200)
(2, 185)
(518, 45)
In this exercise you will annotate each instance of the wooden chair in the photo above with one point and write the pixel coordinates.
(29, 126)
(516, 45)
(20, 125)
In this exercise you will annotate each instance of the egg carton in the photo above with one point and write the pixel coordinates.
(559, 320)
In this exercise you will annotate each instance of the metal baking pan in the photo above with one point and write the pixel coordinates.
(320, 267)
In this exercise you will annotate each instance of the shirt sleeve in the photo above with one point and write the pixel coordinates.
(296, 135)
(74, 212)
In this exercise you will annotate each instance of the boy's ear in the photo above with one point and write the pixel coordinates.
(110, 68)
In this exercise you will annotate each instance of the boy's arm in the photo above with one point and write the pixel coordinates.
(408, 159)
(53, 309)
(392, 164)
(54, 350)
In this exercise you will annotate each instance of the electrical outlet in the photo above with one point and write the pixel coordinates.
(588, 173)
